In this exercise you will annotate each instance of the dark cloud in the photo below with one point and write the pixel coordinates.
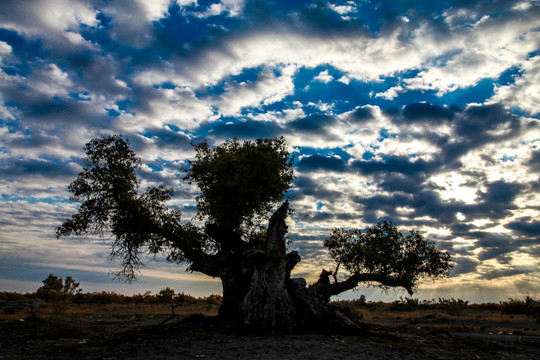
(500, 273)
(390, 164)
(534, 162)
(525, 226)
(50, 169)
(465, 266)
(307, 186)
(478, 120)
(399, 182)
(424, 112)
(164, 138)
(362, 114)
(315, 123)
(324, 217)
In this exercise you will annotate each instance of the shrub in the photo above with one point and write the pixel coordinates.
(144, 298)
(513, 306)
(406, 304)
(9, 296)
(214, 299)
(453, 306)
(166, 295)
(533, 308)
(57, 291)
(101, 298)
(529, 307)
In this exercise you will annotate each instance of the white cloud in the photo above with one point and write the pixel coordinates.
(5, 48)
(342, 9)
(51, 81)
(267, 89)
(484, 50)
(324, 77)
(472, 54)
(231, 7)
(154, 9)
(391, 93)
(524, 93)
(182, 3)
(179, 106)
(53, 15)
(344, 79)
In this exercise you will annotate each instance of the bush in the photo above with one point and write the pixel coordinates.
(214, 299)
(513, 306)
(533, 308)
(453, 306)
(145, 298)
(100, 298)
(408, 304)
(188, 299)
(529, 307)
(56, 289)
(166, 295)
(9, 296)
(486, 306)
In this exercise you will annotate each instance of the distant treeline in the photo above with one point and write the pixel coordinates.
(527, 306)
(105, 297)
(58, 290)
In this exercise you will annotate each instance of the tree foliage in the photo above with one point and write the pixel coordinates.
(384, 255)
(55, 289)
(107, 191)
(240, 181)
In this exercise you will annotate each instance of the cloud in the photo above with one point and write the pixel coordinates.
(324, 77)
(523, 92)
(329, 163)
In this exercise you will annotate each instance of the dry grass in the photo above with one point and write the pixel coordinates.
(434, 319)
(91, 318)
(135, 330)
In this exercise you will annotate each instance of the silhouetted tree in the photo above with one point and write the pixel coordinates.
(242, 186)
(382, 254)
(57, 291)
(54, 288)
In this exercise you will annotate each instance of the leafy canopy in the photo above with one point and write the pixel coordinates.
(107, 190)
(384, 254)
(56, 289)
(240, 181)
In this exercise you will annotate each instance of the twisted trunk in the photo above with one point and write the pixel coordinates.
(259, 294)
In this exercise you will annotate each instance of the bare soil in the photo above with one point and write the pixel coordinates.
(147, 332)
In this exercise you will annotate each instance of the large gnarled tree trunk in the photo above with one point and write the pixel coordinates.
(259, 294)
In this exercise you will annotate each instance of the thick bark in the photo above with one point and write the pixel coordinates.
(259, 294)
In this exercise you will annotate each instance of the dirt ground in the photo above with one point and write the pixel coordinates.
(120, 333)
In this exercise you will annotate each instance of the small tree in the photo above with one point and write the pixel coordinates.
(383, 255)
(57, 291)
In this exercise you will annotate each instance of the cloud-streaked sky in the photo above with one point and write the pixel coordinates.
(422, 112)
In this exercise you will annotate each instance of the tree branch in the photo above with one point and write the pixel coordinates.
(327, 289)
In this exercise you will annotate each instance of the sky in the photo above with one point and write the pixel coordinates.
(426, 113)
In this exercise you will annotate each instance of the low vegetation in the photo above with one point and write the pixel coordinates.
(518, 316)
(107, 324)
(67, 309)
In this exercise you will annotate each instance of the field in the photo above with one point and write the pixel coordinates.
(31, 328)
